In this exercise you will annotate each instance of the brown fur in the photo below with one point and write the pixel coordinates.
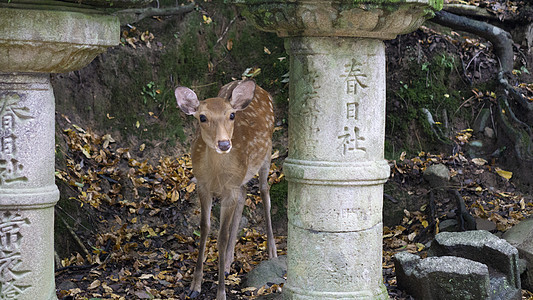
(223, 174)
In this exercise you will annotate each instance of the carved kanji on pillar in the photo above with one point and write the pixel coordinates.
(10, 256)
(11, 112)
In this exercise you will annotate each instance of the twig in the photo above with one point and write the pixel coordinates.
(225, 31)
(74, 235)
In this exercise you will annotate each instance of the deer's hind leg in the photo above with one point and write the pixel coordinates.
(265, 196)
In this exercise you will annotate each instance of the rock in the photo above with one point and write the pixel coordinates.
(488, 132)
(521, 237)
(462, 265)
(446, 277)
(482, 120)
(484, 224)
(437, 175)
(482, 246)
(448, 225)
(268, 272)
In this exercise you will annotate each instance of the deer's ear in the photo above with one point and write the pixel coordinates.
(187, 100)
(242, 95)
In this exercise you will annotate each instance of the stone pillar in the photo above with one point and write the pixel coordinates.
(335, 166)
(34, 41)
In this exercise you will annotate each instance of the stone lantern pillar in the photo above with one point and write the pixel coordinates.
(335, 166)
(36, 38)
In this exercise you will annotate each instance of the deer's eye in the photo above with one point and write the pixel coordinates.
(203, 118)
(232, 116)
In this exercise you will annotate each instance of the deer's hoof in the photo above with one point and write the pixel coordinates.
(193, 294)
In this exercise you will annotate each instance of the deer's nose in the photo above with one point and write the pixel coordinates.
(224, 145)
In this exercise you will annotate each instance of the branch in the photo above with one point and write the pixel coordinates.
(134, 15)
(469, 10)
(500, 39)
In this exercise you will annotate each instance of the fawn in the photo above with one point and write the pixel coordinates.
(234, 143)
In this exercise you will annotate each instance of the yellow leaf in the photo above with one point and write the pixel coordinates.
(141, 148)
(420, 247)
(425, 223)
(86, 150)
(207, 20)
(94, 284)
(266, 50)
(479, 189)
(505, 174)
(175, 196)
(147, 243)
(190, 188)
(137, 124)
(229, 44)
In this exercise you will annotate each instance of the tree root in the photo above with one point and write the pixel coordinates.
(518, 131)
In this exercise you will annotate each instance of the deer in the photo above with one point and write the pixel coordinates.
(232, 145)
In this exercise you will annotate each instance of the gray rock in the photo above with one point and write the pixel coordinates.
(521, 237)
(462, 265)
(437, 175)
(482, 246)
(272, 271)
(488, 132)
(448, 225)
(445, 277)
(482, 120)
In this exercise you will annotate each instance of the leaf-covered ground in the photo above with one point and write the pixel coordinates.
(138, 238)
(137, 249)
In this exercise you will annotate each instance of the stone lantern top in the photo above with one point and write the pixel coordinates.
(381, 19)
(73, 4)
(50, 36)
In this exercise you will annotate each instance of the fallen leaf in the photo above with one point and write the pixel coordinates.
(505, 174)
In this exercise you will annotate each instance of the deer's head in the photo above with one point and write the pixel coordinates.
(216, 115)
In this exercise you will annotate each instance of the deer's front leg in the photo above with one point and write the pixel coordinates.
(206, 200)
(228, 206)
(240, 196)
(265, 196)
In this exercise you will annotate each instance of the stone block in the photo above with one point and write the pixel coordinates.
(462, 265)
(445, 277)
(521, 237)
(481, 246)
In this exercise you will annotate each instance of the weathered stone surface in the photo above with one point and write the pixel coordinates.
(272, 271)
(521, 236)
(370, 19)
(27, 187)
(53, 41)
(335, 166)
(464, 265)
(34, 42)
(330, 265)
(437, 175)
(111, 3)
(497, 254)
(445, 277)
